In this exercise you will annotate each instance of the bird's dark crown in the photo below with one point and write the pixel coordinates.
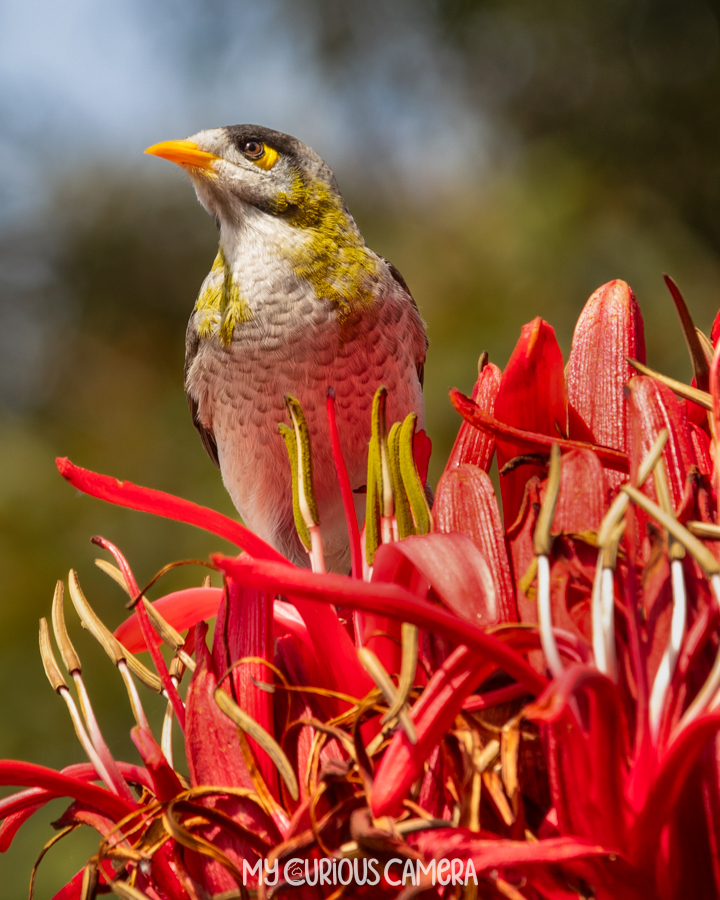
(301, 156)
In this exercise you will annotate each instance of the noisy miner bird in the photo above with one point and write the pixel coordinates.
(295, 302)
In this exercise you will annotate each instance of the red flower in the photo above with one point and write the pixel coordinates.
(537, 700)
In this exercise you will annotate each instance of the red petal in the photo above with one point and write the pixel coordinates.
(25, 774)
(450, 565)
(586, 767)
(499, 696)
(78, 813)
(182, 609)
(656, 407)
(211, 744)
(124, 493)
(151, 640)
(532, 396)
(17, 808)
(530, 441)
(165, 782)
(465, 501)
(488, 854)
(582, 501)
(215, 758)
(610, 328)
(522, 554)
(163, 876)
(657, 602)
(711, 803)
(472, 445)
(696, 414)
(386, 599)
(701, 446)
(333, 650)
(453, 566)
(577, 429)
(715, 331)
(433, 715)
(422, 450)
(244, 628)
(666, 788)
(689, 849)
(14, 821)
(553, 868)
(73, 889)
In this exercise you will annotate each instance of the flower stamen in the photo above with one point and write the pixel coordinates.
(59, 685)
(408, 667)
(380, 509)
(72, 663)
(305, 511)
(379, 675)
(603, 593)
(261, 737)
(542, 541)
(679, 612)
(411, 480)
(686, 391)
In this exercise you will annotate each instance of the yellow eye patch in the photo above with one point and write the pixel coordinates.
(268, 159)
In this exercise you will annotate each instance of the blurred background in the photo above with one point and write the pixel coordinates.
(509, 158)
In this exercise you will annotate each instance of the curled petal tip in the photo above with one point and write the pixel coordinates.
(63, 465)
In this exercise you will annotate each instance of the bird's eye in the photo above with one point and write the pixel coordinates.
(253, 149)
(260, 153)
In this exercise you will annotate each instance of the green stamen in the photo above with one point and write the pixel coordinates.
(297, 444)
(379, 485)
(402, 509)
(411, 480)
(260, 736)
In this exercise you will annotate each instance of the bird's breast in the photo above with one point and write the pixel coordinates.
(298, 344)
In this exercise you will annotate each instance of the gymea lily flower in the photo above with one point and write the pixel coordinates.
(530, 685)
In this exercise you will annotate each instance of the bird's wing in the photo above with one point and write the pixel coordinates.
(192, 343)
(397, 277)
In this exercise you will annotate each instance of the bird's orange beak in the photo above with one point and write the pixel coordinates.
(184, 153)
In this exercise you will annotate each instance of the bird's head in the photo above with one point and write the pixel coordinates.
(241, 166)
(256, 181)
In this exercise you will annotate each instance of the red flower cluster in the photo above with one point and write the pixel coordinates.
(533, 702)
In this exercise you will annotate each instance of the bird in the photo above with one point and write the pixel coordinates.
(295, 303)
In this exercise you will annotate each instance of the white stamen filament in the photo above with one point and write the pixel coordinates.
(706, 694)
(547, 638)
(596, 609)
(166, 739)
(117, 783)
(317, 557)
(670, 657)
(84, 739)
(135, 703)
(608, 621)
(386, 529)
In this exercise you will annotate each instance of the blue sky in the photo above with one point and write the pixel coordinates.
(86, 81)
(81, 81)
